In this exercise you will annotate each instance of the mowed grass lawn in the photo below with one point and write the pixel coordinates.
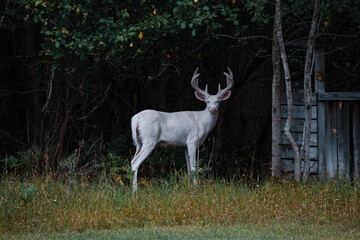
(245, 231)
(41, 209)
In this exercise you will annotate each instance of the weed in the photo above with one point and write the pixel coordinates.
(42, 205)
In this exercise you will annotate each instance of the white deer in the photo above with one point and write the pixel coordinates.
(188, 128)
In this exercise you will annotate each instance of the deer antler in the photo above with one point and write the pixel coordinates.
(195, 82)
(229, 82)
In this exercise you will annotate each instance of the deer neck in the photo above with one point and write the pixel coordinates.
(209, 119)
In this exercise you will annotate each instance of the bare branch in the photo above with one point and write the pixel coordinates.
(50, 90)
(5, 9)
(97, 105)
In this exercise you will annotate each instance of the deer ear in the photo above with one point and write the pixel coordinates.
(225, 95)
(200, 96)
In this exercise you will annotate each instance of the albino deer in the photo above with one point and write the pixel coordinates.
(188, 128)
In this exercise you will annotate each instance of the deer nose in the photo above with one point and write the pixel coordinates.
(213, 109)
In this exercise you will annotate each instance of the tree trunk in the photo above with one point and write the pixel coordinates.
(275, 113)
(32, 83)
(308, 90)
(287, 129)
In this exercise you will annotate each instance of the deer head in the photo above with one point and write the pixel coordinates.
(212, 101)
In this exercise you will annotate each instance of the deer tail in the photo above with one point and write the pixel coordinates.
(135, 130)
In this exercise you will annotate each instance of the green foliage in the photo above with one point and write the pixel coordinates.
(140, 30)
(27, 193)
(108, 161)
(23, 162)
(297, 15)
(130, 29)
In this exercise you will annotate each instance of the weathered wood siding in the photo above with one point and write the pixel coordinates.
(356, 138)
(340, 138)
(335, 129)
(342, 129)
(297, 129)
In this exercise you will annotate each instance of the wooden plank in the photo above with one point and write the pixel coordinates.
(298, 99)
(298, 125)
(321, 139)
(299, 112)
(319, 67)
(331, 129)
(330, 42)
(339, 96)
(343, 140)
(319, 86)
(298, 137)
(288, 153)
(288, 166)
(356, 139)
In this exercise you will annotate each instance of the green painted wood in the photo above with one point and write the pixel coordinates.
(339, 96)
(319, 67)
(343, 143)
(288, 153)
(331, 129)
(356, 138)
(298, 125)
(299, 112)
(319, 87)
(288, 166)
(321, 139)
(298, 137)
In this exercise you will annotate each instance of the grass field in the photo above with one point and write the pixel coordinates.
(41, 209)
(246, 231)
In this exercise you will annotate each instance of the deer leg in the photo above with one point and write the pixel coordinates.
(191, 149)
(138, 159)
(187, 161)
(135, 181)
(138, 148)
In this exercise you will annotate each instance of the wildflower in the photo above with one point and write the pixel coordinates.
(141, 35)
(131, 44)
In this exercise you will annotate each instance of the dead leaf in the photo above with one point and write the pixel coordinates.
(340, 104)
(319, 76)
(118, 178)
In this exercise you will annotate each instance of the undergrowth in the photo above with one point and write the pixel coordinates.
(42, 205)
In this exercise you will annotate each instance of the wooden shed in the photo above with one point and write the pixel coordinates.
(335, 128)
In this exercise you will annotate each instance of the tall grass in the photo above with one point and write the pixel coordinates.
(42, 205)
